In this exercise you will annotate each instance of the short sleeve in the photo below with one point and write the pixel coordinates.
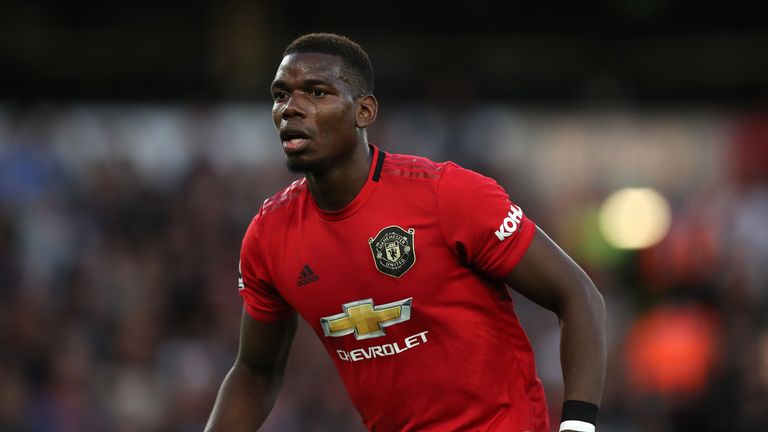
(261, 299)
(480, 223)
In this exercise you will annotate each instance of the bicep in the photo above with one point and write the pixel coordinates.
(548, 276)
(264, 346)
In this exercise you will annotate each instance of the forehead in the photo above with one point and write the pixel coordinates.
(304, 66)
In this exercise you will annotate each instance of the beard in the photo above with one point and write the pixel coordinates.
(299, 166)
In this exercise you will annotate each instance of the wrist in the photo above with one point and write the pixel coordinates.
(579, 416)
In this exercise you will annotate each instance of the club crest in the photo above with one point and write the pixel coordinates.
(393, 250)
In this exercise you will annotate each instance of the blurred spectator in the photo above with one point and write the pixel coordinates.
(120, 229)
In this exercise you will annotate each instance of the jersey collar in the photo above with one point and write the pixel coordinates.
(374, 176)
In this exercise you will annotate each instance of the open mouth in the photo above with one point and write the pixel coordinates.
(293, 140)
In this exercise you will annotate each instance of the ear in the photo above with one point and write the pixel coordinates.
(367, 107)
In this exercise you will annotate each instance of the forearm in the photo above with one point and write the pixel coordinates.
(583, 346)
(244, 401)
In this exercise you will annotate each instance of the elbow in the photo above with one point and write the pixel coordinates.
(597, 301)
(584, 300)
(593, 307)
(593, 302)
(262, 369)
(260, 375)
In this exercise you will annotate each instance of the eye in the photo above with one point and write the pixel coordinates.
(317, 93)
(279, 95)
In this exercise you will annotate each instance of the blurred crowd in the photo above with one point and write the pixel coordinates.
(120, 228)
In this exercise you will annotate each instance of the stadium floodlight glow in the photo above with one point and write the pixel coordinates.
(634, 218)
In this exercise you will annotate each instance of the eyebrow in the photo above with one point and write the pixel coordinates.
(279, 84)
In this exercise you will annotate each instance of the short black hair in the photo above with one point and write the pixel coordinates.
(354, 56)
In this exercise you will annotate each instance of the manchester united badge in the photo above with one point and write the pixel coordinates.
(393, 250)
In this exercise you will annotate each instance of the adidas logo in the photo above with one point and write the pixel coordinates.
(306, 276)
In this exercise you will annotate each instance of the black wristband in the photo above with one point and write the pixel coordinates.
(579, 410)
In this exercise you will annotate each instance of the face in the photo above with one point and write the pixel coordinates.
(314, 111)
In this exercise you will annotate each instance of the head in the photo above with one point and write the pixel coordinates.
(323, 101)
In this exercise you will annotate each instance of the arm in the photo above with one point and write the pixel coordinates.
(548, 277)
(250, 388)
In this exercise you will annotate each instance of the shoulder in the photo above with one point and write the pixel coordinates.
(285, 197)
(466, 190)
(400, 165)
(447, 177)
(278, 203)
(421, 167)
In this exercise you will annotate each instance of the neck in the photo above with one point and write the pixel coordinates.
(336, 187)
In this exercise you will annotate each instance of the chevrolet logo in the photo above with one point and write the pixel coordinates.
(366, 320)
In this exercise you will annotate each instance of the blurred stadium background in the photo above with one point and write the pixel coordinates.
(136, 144)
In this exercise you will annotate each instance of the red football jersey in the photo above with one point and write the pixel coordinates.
(403, 286)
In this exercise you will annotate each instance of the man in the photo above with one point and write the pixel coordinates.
(399, 264)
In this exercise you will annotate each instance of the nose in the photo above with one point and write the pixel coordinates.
(293, 107)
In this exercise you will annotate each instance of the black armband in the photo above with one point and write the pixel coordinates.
(576, 413)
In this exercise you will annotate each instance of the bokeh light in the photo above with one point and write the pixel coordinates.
(635, 218)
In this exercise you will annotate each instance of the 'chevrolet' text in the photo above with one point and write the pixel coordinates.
(383, 350)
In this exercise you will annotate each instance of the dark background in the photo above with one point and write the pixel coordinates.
(646, 51)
